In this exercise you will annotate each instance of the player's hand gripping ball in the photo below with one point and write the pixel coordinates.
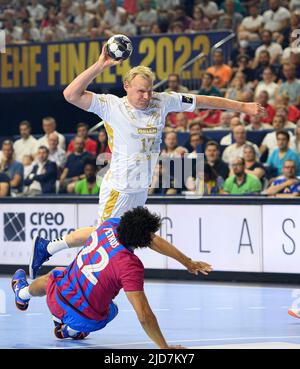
(119, 47)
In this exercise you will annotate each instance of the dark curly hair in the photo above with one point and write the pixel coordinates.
(137, 227)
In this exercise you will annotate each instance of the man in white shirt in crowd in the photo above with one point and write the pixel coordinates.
(257, 125)
(236, 149)
(49, 126)
(227, 140)
(27, 144)
(274, 48)
(276, 18)
(112, 16)
(36, 10)
(56, 153)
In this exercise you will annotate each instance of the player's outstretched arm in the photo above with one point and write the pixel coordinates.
(75, 93)
(147, 319)
(212, 102)
(166, 248)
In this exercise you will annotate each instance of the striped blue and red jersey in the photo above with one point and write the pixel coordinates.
(101, 269)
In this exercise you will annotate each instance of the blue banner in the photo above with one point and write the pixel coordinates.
(52, 66)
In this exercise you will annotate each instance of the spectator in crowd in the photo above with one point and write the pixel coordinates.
(4, 185)
(263, 60)
(277, 17)
(200, 22)
(166, 5)
(238, 89)
(112, 16)
(289, 50)
(243, 49)
(241, 183)
(212, 158)
(33, 32)
(89, 185)
(11, 29)
(174, 84)
(263, 99)
(268, 84)
(163, 183)
(286, 185)
(12, 168)
(54, 31)
(73, 170)
(43, 177)
(82, 19)
(90, 145)
(252, 165)
(270, 140)
(295, 139)
(220, 69)
(294, 5)
(251, 25)
(195, 128)
(49, 126)
(257, 125)
(181, 123)
(232, 14)
(146, 18)
(291, 86)
(56, 154)
(65, 16)
(176, 27)
(207, 88)
(243, 66)
(209, 118)
(282, 153)
(211, 184)
(181, 16)
(228, 139)
(126, 27)
(195, 141)
(28, 164)
(225, 119)
(36, 10)
(293, 111)
(172, 150)
(237, 149)
(210, 9)
(273, 48)
(27, 144)
(283, 111)
(102, 143)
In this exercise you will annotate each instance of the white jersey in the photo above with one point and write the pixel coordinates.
(135, 135)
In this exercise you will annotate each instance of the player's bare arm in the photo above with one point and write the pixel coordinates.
(75, 93)
(212, 102)
(147, 319)
(166, 248)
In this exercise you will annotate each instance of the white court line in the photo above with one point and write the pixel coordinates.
(33, 314)
(132, 311)
(182, 341)
(5, 315)
(191, 309)
(208, 285)
(257, 307)
(224, 308)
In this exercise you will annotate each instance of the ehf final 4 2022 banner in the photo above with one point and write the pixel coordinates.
(52, 66)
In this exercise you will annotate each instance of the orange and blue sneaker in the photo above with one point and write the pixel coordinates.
(18, 282)
(62, 331)
(38, 255)
(294, 312)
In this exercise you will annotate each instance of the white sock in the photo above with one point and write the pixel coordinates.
(24, 293)
(57, 245)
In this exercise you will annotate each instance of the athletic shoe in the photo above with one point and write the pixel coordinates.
(294, 312)
(38, 255)
(62, 331)
(18, 282)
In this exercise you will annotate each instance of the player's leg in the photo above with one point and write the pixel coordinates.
(23, 291)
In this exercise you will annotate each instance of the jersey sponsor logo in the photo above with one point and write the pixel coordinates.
(147, 131)
(187, 99)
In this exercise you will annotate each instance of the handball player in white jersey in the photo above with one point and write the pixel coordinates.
(134, 125)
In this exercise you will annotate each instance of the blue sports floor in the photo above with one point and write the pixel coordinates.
(196, 315)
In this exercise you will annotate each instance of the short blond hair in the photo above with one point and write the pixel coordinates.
(140, 70)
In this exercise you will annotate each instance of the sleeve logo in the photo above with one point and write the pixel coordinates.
(187, 99)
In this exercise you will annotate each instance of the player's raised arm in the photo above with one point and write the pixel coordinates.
(212, 102)
(147, 319)
(75, 93)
